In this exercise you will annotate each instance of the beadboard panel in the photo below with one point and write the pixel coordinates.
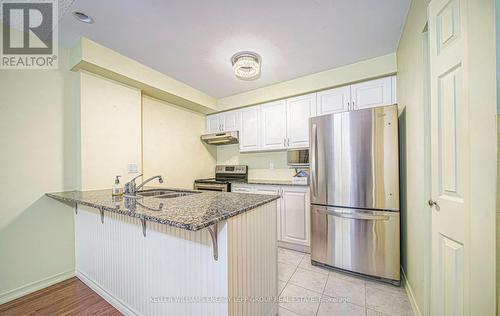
(252, 262)
(131, 270)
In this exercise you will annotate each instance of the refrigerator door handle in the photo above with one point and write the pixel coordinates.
(353, 215)
(314, 160)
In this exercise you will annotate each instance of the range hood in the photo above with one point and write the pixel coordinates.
(223, 138)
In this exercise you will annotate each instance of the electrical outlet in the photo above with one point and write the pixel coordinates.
(132, 168)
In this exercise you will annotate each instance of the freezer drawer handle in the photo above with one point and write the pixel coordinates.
(354, 215)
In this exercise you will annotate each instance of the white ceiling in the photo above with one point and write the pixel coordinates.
(193, 40)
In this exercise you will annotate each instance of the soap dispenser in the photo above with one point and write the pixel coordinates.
(117, 189)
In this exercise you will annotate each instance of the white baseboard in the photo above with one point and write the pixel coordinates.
(121, 306)
(295, 247)
(35, 286)
(409, 292)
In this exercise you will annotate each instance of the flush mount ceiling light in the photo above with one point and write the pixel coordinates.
(82, 17)
(246, 65)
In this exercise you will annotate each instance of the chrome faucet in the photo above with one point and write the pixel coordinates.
(160, 179)
(131, 188)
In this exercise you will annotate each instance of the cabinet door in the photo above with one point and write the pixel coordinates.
(298, 112)
(266, 189)
(273, 119)
(214, 124)
(242, 188)
(394, 90)
(333, 100)
(371, 93)
(272, 190)
(231, 121)
(250, 129)
(295, 216)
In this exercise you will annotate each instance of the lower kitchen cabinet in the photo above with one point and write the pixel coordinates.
(295, 216)
(271, 190)
(293, 212)
(242, 188)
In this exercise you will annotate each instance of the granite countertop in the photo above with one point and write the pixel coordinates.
(192, 212)
(273, 182)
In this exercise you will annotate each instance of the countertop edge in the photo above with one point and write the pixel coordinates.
(54, 195)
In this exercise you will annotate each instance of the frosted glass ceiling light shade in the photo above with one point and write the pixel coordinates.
(246, 65)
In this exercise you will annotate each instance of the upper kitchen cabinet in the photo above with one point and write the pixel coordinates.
(334, 100)
(231, 120)
(273, 128)
(214, 124)
(298, 112)
(250, 129)
(371, 93)
(284, 124)
(394, 89)
(224, 122)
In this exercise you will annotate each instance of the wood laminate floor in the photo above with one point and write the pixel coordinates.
(70, 297)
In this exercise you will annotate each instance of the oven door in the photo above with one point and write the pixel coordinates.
(211, 187)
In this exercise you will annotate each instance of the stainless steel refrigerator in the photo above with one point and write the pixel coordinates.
(354, 188)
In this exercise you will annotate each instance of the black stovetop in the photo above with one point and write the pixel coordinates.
(219, 180)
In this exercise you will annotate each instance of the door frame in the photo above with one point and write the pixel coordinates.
(427, 166)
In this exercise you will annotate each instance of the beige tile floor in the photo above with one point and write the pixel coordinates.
(308, 290)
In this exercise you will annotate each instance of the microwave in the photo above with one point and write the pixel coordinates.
(298, 157)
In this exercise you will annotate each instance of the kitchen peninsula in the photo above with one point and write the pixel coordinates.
(180, 253)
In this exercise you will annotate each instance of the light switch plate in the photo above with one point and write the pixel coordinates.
(132, 168)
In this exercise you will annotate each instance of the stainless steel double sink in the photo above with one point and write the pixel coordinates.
(164, 193)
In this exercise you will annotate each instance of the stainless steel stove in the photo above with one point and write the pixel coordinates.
(224, 176)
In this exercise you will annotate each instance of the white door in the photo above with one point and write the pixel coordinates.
(272, 190)
(449, 160)
(250, 129)
(273, 119)
(231, 121)
(214, 124)
(371, 93)
(298, 112)
(333, 100)
(295, 216)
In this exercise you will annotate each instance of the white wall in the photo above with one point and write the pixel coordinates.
(497, 18)
(172, 146)
(38, 141)
(481, 59)
(110, 130)
(412, 100)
